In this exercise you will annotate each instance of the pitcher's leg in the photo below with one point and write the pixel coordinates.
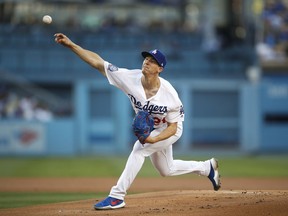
(163, 161)
(133, 165)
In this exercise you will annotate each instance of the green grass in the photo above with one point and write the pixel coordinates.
(15, 200)
(255, 167)
(261, 166)
(61, 167)
(13, 167)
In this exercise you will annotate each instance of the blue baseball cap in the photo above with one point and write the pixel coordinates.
(157, 55)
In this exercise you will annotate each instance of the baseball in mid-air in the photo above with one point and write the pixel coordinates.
(47, 19)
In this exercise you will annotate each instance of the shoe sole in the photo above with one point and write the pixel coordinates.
(215, 166)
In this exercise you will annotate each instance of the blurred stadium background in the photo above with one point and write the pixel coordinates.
(226, 58)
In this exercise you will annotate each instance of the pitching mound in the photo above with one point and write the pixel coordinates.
(174, 203)
(237, 197)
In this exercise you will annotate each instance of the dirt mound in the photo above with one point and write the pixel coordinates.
(238, 196)
(186, 202)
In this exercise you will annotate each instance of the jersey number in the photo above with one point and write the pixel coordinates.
(157, 121)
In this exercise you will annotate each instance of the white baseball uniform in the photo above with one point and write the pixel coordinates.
(165, 107)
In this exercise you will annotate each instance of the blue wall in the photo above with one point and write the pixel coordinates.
(274, 114)
(220, 116)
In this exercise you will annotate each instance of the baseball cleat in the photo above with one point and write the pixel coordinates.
(214, 174)
(109, 203)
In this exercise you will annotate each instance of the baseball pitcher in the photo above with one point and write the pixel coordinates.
(159, 114)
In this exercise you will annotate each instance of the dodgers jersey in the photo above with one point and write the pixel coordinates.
(165, 106)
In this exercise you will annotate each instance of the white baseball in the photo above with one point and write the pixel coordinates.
(47, 19)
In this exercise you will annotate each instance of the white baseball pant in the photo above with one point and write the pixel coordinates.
(161, 155)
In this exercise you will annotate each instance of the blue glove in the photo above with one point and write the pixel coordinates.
(143, 124)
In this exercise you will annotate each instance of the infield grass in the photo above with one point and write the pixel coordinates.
(261, 166)
(15, 200)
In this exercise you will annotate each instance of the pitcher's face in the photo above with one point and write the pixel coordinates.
(150, 66)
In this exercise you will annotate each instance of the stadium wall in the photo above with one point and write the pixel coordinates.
(220, 116)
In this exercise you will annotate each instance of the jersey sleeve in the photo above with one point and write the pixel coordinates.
(176, 114)
(114, 74)
(176, 109)
(122, 78)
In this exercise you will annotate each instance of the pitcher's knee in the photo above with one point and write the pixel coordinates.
(164, 173)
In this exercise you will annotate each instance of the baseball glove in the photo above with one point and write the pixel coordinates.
(143, 124)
